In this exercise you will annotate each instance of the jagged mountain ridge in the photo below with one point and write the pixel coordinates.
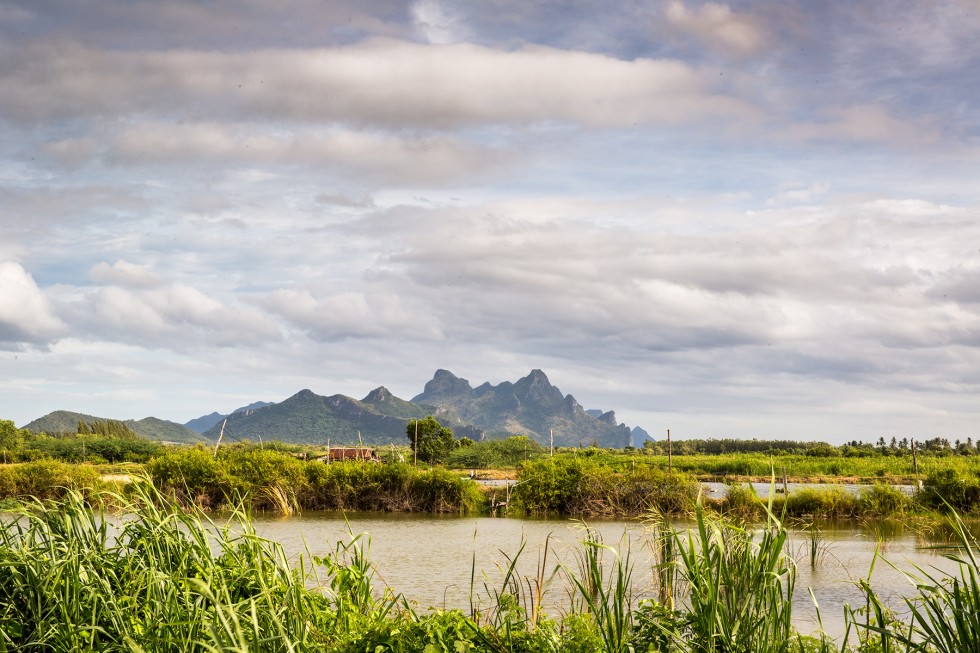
(205, 422)
(309, 418)
(530, 406)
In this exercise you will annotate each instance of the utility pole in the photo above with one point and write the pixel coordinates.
(670, 454)
(415, 444)
(552, 443)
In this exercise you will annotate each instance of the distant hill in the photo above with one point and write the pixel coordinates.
(205, 422)
(309, 418)
(151, 428)
(531, 406)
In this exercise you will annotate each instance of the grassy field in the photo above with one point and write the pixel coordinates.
(797, 467)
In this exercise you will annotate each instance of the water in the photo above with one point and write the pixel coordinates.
(430, 558)
(718, 490)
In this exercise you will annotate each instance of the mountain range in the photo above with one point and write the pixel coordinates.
(530, 406)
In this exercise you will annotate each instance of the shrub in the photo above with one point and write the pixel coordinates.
(947, 488)
(882, 500)
(571, 485)
(46, 479)
(742, 503)
(831, 502)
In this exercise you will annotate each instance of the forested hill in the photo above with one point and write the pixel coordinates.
(309, 418)
(151, 428)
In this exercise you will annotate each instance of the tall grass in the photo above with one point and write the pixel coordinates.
(276, 481)
(944, 612)
(165, 578)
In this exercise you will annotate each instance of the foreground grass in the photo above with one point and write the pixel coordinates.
(164, 578)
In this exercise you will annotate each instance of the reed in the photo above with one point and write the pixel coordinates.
(166, 578)
(944, 612)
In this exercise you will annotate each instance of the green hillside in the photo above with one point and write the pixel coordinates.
(151, 428)
(309, 418)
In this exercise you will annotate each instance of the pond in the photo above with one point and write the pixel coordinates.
(429, 558)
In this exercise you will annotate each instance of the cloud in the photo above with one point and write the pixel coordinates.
(175, 316)
(26, 314)
(717, 26)
(382, 157)
(390, 84)
(327, 316)
(817, 284)
(123, 273)
(865, 123)
(435, 23)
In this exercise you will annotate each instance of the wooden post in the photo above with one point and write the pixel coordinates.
(915, 462)
(670, 454)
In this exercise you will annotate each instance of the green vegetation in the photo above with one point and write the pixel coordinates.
(61, 423)
(566, 485)
(830, 502)
(46, 479)
(162, 578)
(431, 442)
(266, 479)
(95, 442)
(494, 453)
(586, 482)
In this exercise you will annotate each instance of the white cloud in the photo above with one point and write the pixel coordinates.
(382, 157)
(436, 24)
(383, 83)
(26, 314)
(716, 25)
(174, 317)
(124, 273)
(352, 315)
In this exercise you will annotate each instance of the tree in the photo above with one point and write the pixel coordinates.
(10, 437)
(430, 440)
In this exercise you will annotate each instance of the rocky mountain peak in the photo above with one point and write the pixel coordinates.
(444, 384)
(378, 395)
(536, 388)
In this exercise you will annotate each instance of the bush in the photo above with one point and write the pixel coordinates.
(742, 503)
(882, 500)
(570, 485)
(831, 502)
(46, 479)
(947, 488)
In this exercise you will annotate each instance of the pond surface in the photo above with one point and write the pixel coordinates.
(429, 558)
(719, 490)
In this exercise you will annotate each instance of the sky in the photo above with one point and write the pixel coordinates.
(751, 219)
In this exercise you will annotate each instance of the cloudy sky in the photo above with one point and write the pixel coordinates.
(752, 219)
